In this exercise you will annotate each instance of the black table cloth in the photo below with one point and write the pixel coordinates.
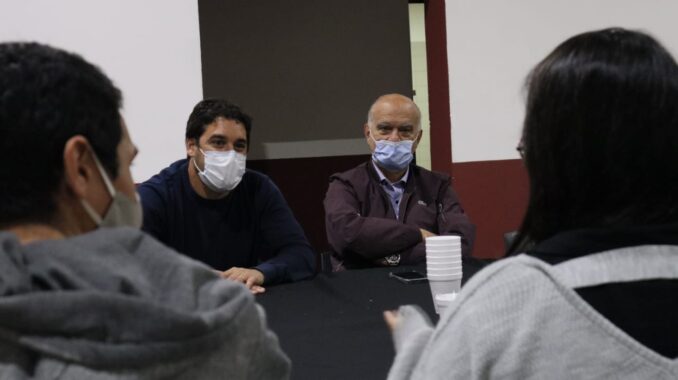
(332, 326)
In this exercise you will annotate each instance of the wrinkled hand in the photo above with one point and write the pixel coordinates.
(392, 319)
(425, 234)
(252, 278)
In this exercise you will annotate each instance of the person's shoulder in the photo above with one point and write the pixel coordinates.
(510, 283)
(168, 177)
(254, 176)
(127, 239)
(356, 175)
(255, 180)
(155, 259)
(255, 185)
(516, 270)
(498, 305)
(429, 176)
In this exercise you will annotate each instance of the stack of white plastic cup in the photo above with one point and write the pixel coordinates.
(442, 301)
(443, 265)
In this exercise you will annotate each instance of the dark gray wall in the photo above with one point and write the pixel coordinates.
(304, 69)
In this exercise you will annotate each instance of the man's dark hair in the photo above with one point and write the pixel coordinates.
(601, 135)
(208, 110)
(47, 96)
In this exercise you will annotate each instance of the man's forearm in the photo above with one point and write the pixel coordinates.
(374, 238)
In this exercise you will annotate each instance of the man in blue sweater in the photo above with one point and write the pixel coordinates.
(209, 207)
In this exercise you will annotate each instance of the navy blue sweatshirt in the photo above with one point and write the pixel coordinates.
(252, 227)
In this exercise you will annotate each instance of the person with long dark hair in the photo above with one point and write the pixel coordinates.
(596, 294)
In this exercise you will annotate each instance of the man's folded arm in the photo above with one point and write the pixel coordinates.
(415, 254)
(370, 237)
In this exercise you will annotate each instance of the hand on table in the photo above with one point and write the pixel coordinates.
(252, 278)
(392, 319)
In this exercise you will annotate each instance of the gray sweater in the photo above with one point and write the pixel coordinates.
(117, 304)
(521, 319)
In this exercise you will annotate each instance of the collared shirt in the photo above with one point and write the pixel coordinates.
(394, 190)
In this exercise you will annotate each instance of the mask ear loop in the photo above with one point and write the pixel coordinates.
(196, 164)
(96, 218)
(104, 176)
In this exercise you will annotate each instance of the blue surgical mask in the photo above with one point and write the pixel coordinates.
(393, 156)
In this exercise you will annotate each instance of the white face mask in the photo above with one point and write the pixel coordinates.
(223, 170)
(122, 212)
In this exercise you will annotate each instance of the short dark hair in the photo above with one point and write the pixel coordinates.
(208, 110)
(47, 96)
(601, 135)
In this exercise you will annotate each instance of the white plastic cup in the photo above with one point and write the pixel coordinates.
(446, 251)
(449, 256)
(443, 239)
(444, 271)
(448, 240)
(445, 260)
(443, 264)
(443, 277)
(443, 252)
(441, 269)
(444, 255)
(443, 287)
(443, 301)
(446, 297)
(449, 276)
(442, 247)
(438, 264)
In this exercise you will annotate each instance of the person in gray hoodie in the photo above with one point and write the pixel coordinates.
(594, 297)
(81, 295)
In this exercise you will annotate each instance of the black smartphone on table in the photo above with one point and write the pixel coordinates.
(408, 277)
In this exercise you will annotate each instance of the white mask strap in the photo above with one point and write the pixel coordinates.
(96, 218)
(196, 165)
(104, 175)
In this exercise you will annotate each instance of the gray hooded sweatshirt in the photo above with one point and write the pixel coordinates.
(117, 304)
(521, 318)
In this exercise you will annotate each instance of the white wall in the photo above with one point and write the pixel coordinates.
(492, 45)
(149, 48)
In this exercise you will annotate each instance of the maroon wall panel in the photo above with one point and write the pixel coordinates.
(303, 182)
(438, 85)
(494, 194)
